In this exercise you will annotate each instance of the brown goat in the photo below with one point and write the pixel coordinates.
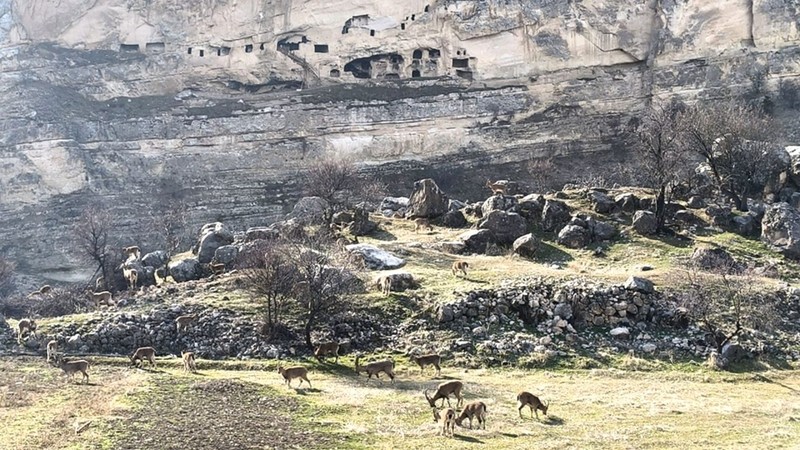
(294, 372)
(460, 266)
(385, 284)
(420, 223)
(448, 419)
(131, 276)
(132, 251)
(142, 353)
(70, 368)
(182, 322)
(428, 360)
(498, 187)
(328, 348)
(46, 289)
(25, 325)
(527, 399)
(375, 368)
(473, 410)
(188, 362)
(217, 269)
(444, 391)
(101, 298)
(52, 349)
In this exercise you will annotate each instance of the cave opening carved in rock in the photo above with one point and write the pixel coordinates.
(386, 65)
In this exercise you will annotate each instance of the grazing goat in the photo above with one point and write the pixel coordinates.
(460, 266)
(498, 187)
(420, 223)
(375, 368)
(70, 368)
(428, 360)
(46, 289)
(52, 349)
(385, 284)
(444, 391)
(217, 269)
(182, 322)
(142, 353)
(294, 372)
(328, 348)
(132, 253)
(25, 325)
(131, 276)
(101, 298)
(527, 399)
(475, 409)
(448, 419)
(188, 362)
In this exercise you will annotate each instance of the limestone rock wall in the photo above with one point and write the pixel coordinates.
(224, 103)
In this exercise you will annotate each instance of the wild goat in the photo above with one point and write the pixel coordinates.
(142, 353)
(475, 409)
(328, 348)
(444, 391)
(182, 322)
(70, 368)
(101, 298)
(460, 266)
(131, 253)
(375, 368)
(527, 399)
(217, 269)
(498, 187)
(385, 283)
(26, 325)
(99, 284)
(294, 372)
(448, 419)
(42, 290)
(428, 360)
(52, 349)
(420, 223)
(131, 276)
(188, 362)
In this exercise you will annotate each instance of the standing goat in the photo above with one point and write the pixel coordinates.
(70, 368)
(498, 187)
(52, 349)
(375, 368)
(132, 253)
(420, 223)
(100, 298)
(459, 266)
(328, 348)
(294, 372)
(142, 353)
(428, 360)
(188, 362)
(217, 269)
(131, 276)
(444, 391)
(25, 325)
(527, 399)
(182, 322)
(385, 283)
(475, 409)
(448, 419)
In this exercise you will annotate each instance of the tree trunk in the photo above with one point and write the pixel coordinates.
(309, 325)
(661, 212)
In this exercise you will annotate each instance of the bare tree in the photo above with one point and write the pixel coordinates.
(92, 232)
(6, 276)
(724, 301)
(664, 162)
(170, 216)
(325, 274)
(737, 143)
(271, 277)
(338, 181)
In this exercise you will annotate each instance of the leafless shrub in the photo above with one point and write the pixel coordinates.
(338, 181)
(61, 301)
(92, 233)
(271, 278)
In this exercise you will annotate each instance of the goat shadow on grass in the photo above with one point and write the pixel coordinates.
(552, 421)
(305, 390)
(465, 438)
(511, 435)
(474, 280)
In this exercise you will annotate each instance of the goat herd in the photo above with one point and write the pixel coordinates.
(448, 417)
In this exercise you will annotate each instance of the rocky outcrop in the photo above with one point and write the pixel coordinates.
(375, 258)
(644, 222)
(506, 227)
(780, 228)
(212, 237)
(427, 200)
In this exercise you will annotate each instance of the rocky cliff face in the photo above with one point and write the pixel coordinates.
(225, 102)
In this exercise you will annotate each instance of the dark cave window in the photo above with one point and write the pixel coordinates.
(189, 51)
(427, 8)
(335, 73)
(202, 53)
(434, 53)
(248, 48)
(372, 32)
(417, 54)
(321, 48)
(415, 73)
(461, 62)
(129, 47)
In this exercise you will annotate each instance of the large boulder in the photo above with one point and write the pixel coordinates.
(185, 270)
(155, 259)
(721, 216)
(574, 236)
(212, 237)
(712, 258)
(639, 284)
(696, 202)
(376, 258)
(309, 210)
(454, 219)
(145, 275)
(745, 225)
(261, 233)
(531, 206)
(400, 281)
(226, 254)
(644, 222)
(780, 228)
(601, 202)
(361, 225)
(391, 205)
(476, 241)
(555, 215)
(498, 203)
(526, 245)
(505, 226)
(627, 202)
(427, 200)
(603, 231)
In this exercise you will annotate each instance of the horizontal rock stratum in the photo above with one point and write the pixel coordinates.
(223, 104)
